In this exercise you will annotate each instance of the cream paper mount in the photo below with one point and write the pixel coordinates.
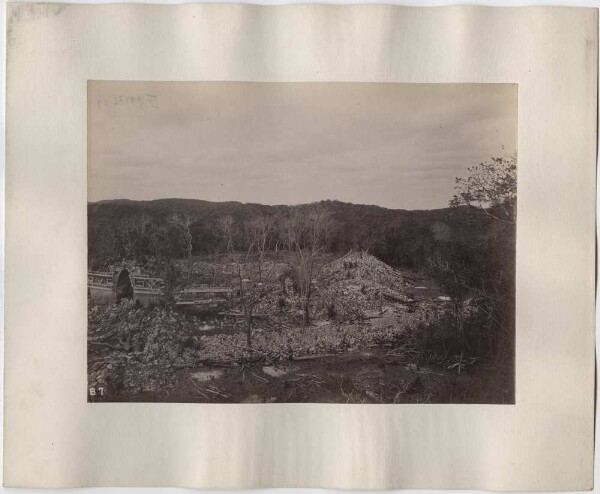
(54, 438)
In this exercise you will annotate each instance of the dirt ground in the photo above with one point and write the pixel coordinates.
(358, 377)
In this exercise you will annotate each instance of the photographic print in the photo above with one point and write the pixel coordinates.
(301, 242)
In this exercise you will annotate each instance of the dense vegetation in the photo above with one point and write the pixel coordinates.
(123, 229)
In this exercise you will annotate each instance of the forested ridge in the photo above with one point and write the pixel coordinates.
(125, 229)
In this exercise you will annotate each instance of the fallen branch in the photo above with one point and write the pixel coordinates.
(313, 357)
(257, 376)
(124, 346)
(102, 337)
(217, 391)
(199, 390)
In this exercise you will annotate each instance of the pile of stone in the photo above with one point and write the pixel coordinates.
(365, 267)
(298, 342)
(359, 285)
(135, 349)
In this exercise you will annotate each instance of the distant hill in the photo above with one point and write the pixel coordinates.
(399, 237)
(199, 210)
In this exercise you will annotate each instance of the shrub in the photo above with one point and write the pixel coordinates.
(331, 312)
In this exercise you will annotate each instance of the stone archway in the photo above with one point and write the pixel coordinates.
(123, 286)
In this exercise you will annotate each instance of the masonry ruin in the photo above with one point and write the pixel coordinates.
(109, 288)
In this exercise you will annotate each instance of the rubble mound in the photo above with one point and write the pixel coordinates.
(361, 266)
(359, 284)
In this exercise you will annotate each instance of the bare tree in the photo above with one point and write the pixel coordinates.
(375, 236)
(307, 234)
(259, 231)
(253, 278)
(183, 223)
(225, 231)
(165, 250)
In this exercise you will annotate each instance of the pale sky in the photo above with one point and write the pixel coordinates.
(393, 145)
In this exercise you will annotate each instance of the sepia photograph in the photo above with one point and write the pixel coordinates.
(301, 242)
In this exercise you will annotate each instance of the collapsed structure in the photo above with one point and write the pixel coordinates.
(107, 288)
(203, 299)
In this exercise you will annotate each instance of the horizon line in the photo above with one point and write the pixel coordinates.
(123, 199)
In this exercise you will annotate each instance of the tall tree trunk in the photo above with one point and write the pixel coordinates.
(306, 315)
(260, 261)
(249, 329)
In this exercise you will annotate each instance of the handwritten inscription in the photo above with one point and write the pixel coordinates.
(140, 101)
